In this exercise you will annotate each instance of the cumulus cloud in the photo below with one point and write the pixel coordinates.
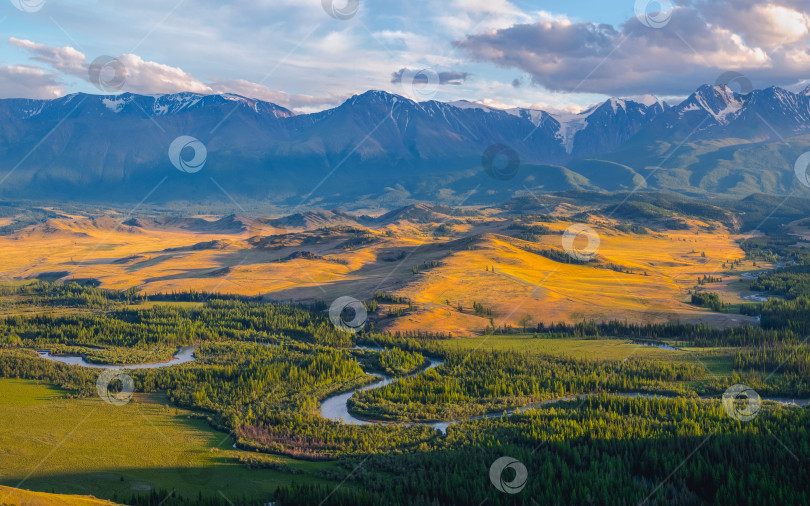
(765, 24)
(301, 103)
(420, 76)
(152, 77)
(767, 41)
(25, 81)
(464, 16)
(63, 59)
(141, 76)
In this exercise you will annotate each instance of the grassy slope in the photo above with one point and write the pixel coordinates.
(85, 446)
(529, 284)
(523, 284)
(19, 497)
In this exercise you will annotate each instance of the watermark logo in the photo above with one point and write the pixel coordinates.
(110, 376)
(28, 5)
(743, 86)
(107, 74)
(348, 314)
(654, 13)
(501, 162)
(188, 165)
(587, 253)
(343, 13)
(735, 78)
(420, 85)
(741, 402)
(800, 168)
(496, 475)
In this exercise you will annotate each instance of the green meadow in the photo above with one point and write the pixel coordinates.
(716, 360)
(86, 446)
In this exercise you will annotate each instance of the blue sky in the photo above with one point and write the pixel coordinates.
(506, 53)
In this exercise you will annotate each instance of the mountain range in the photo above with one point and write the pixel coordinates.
(378, 149)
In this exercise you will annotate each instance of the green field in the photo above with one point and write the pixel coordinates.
(716, 360)
(151, 303)
(85, 446)
(591, 349)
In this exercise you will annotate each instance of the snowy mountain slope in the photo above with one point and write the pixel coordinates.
(378, 144)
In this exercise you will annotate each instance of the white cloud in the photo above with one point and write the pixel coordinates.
(63, 59)
(298, 103)
(144, 77)
(295, 46)
(25, 81)
(151, 77)
(465, 16)
(695, 47)
(760, 23)
(778, 25)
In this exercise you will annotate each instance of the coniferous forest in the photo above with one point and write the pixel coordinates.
(587, 431)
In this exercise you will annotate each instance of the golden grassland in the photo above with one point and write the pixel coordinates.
(49, 442)
(526, 285)
(492, 269)
(19, 497)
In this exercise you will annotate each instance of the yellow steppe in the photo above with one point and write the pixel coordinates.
(523, 284)
(527, 284)
(19, 497)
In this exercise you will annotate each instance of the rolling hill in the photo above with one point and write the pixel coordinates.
(27, 498)
(444, 260)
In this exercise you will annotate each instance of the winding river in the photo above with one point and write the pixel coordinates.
(335, 407)
(184, 354)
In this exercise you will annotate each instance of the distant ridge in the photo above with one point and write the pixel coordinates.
(382, 150)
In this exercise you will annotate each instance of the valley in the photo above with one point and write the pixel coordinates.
(484, 322)
(352, 253)
(147, 446)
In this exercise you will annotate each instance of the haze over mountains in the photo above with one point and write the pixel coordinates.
(379, 148)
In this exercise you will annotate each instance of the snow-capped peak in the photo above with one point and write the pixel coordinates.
(114, 104)
(466, 104)
(720, 101)
(377, 96)
(647, 100)
(617, 103)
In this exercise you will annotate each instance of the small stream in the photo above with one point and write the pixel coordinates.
(662, 346)
(759, 297)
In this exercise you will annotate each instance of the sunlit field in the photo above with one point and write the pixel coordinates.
(86, 446)
(480, 263)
